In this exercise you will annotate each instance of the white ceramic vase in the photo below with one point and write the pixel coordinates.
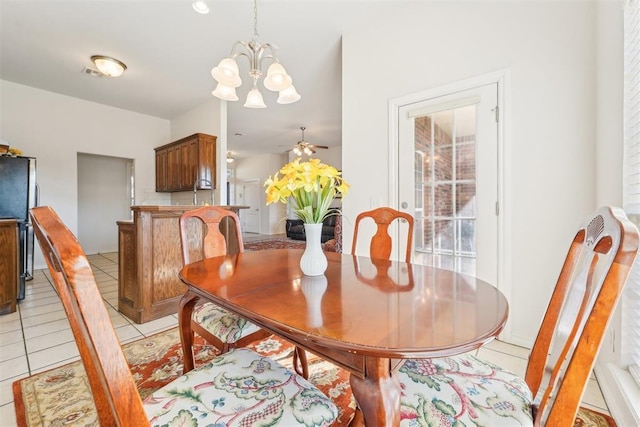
(313, 261)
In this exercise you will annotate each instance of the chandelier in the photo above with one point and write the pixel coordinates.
(228, 76)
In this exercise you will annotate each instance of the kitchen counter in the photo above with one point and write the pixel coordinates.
(149, 259)
(181, 208)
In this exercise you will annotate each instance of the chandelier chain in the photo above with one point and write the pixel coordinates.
(255, 20)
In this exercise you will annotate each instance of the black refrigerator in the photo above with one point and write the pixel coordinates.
(18, 194)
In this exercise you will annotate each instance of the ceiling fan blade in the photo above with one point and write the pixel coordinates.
(319, 146)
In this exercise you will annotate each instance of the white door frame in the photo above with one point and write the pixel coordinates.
(502, 79)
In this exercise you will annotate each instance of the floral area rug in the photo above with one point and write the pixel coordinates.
(277, 243)
(62, 396)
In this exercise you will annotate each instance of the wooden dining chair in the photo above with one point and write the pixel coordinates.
(239, 387)
(381, 243)
(474, 392)
(202, 236)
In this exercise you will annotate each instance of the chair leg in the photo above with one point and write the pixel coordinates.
(300, 363)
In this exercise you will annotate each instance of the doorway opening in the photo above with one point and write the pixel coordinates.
(105, 196)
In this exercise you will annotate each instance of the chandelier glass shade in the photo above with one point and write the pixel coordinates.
(288, 95)
(227, 73)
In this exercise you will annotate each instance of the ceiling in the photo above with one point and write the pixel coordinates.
(169, 50)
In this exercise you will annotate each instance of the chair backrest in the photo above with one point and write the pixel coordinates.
(201, 236)
(586, 293)
(381, 243)
(115, 394)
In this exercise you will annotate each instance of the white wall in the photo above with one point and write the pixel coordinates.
(209, 118)
(613, 379)
(548, 47)
(609, 130)
(54, 128)
(272, 217)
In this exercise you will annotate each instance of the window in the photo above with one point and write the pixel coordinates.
(631, 192)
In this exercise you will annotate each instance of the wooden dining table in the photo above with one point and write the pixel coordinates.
(363, 315)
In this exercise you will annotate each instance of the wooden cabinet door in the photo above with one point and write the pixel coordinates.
(189, 160)
(207, 159)
(161, 170)
(173, 168)
(9, 267)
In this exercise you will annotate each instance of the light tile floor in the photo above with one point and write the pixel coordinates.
(37, 336)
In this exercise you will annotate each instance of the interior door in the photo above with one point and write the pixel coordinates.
(251, 216)
(448, 180)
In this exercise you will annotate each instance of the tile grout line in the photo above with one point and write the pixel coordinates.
(22, 327)
(26, 352)
(24, 340)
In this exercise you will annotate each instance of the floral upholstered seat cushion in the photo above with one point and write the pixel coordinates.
(240, 388)
(462, 391)
(226, 326)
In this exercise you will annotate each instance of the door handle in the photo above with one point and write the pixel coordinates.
(404, 205)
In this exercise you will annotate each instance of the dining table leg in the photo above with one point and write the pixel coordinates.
(185, 310)
(377, 395)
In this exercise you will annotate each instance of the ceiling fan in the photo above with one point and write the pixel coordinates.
(304, 147)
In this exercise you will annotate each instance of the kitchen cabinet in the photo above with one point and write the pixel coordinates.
(162, 170)
(180, 163)
(9, 267)
(150, 259)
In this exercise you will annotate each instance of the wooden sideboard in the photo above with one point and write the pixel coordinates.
(9, 265)
(149, 260)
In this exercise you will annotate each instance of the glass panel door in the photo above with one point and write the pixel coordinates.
(451, 144)
(445, 179)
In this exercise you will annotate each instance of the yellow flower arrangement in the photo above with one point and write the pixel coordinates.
(312, 185)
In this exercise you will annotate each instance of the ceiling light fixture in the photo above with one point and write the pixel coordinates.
(230, 159)
(200, 6)
(228, 76)
(304, 147)
(108, 66)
